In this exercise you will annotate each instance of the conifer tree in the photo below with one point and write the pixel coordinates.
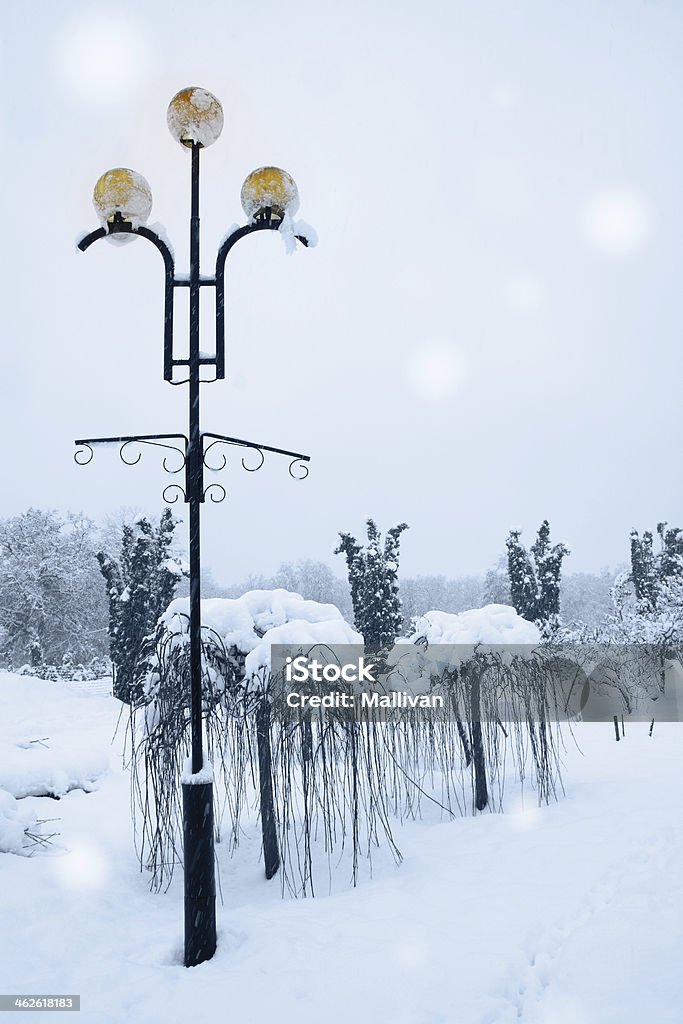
(643, 572)
(523, 582)
(653, 573)
(670, 561)
(140, 586)
(353, 551)
(373, 579)
(548, 570)
(535, 586)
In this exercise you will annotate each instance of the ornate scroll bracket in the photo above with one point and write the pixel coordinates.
(130, 453)
(127, 450)
(298, 468)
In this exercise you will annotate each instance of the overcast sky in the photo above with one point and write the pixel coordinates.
(489, 332)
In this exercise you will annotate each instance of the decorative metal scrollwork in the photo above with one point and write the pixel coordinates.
(207, 464)
(233, 444)
(84, 455)
(166, 494)
(130, 457)
(221, 491)
(132, 462)
(254, 450)
(298, 469)
(156, 444)
(254, 469)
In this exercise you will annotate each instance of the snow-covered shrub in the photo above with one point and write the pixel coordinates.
(488, 662)
(334, 778)
(97, 668)
(237, 635)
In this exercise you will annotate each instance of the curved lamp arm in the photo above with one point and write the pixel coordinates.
(125, 227)
(267, 224)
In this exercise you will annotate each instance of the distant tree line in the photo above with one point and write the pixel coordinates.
(74, 593)
(53, 608)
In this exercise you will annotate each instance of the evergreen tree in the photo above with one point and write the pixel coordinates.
(670, 561)
(643, 572)
(535, 586)
(523, 582)
(373, 579)
(548, 571)
(140, 585)
(353, 551)
(656, 578)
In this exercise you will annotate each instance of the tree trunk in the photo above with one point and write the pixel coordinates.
(481, 798)
(271, 852)
(465, 742)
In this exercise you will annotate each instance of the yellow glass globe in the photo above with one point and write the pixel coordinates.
(122, 191)
(269, 187)
(195, 116)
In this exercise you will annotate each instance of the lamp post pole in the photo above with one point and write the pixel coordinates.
(200, 882)
(123, 200)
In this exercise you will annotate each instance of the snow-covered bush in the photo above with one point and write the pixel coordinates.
(629, 653)
(336, 777)
(97, 668)
(241, 740)
(488, 664)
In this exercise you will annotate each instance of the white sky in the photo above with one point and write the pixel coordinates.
(489, 332)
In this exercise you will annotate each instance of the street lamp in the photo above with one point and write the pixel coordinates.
(123, 201)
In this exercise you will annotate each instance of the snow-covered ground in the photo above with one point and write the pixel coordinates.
(567, 914)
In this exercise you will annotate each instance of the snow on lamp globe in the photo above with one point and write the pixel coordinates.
(195, 116)
(122, 194)
(269, 188)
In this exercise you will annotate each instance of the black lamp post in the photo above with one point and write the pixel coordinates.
(123, 201)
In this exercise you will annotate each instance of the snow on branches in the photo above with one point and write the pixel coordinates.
(373, 578)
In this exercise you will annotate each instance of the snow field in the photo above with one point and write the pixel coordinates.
(565, 913)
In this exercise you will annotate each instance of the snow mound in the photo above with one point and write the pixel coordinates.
(493, 624)
(15, 820)
(36, 737)
(453, 639)
(259, 618)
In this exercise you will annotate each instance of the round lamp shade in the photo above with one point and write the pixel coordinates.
(125, 192)
(269, 187)
(195, 116)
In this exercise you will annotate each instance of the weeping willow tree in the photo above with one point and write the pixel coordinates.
(331, 786)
